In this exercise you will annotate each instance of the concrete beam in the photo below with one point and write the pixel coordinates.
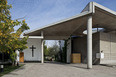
(37, 37)
(89, 42)
(55, 37)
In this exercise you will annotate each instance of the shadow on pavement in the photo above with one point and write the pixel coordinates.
(82, 66)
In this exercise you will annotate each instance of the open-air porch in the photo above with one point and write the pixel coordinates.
(92, 16)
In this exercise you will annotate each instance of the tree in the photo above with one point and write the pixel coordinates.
(9, 39)
(53, 50)
(64, 52)
(46, 52)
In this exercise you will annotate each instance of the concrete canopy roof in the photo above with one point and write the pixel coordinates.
(102, 17)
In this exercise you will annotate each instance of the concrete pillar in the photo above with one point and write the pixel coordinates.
(42, 52)
(69, 51)
(89, 42)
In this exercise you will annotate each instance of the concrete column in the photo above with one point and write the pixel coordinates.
(89, 42)
(69, 51)
(42, 52)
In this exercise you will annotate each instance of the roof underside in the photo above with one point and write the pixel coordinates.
(76, 25)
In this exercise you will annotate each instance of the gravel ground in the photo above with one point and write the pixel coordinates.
(62, 70)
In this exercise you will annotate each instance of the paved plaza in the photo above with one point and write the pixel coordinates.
(62, 70)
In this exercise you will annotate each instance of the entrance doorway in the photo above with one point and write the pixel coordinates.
(53, 51)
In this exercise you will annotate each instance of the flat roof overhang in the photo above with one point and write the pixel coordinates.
(101, 17)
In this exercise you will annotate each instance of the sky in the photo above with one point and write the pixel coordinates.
(39, 13)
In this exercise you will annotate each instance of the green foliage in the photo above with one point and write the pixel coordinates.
(8, 69)
(53, 50)
(46, 51)
(64, 52)
(9, 39)
(13, 56)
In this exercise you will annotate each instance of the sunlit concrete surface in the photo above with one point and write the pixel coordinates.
(62, 70)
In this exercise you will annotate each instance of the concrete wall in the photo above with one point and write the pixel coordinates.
(105, 42)
(37, 51)
(80, 46)
(108, 46)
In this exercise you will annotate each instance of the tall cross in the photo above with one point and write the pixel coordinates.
(32, 50)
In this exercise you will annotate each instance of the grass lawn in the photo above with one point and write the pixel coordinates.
(9, 68)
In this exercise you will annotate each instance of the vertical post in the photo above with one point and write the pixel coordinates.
(69, 48)
(89, 42)
(42, 49)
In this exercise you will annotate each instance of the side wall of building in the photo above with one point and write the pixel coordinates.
(80, 46)
(108, 46)
(37, 52)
